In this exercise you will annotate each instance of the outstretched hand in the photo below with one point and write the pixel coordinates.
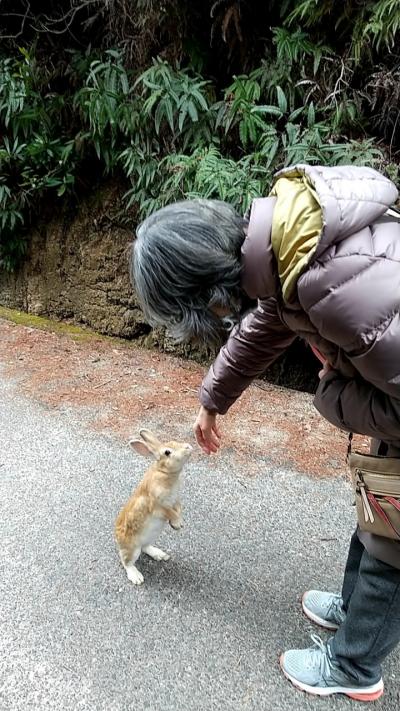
(207, 433)
(325, 370)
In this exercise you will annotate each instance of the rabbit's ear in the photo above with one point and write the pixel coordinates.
(141, 448)
(151, 440)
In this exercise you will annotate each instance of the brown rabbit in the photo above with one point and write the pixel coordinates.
(153, 503)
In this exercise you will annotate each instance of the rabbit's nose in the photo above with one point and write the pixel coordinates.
(188, 447)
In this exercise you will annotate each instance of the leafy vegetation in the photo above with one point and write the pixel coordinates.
(188, 99)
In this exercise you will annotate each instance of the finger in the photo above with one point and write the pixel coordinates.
(207, 449)
(217, 430)
(207, 434)
(202, 441)
(213, 448)
(208, 445)
(199, 436)
(213, 439)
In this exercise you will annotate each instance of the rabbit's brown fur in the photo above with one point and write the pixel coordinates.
(154, 503)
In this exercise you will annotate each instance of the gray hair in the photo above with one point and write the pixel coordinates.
(186, 259)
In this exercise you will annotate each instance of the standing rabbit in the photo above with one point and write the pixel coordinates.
(154, 503)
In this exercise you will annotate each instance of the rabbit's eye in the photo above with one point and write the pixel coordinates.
(167, 452)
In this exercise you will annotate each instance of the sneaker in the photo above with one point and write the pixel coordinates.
(313, 670)
(325, 609)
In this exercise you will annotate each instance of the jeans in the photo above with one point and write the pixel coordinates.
(371, 600)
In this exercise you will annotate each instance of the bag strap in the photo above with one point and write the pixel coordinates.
(393, 501)
(379, 510)
(349, 447)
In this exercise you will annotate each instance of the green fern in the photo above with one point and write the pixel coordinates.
(365, 25)
(172, 98)
(173, 134)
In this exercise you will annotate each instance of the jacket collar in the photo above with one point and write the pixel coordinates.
(259, 276)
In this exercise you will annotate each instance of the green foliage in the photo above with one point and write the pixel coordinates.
(364, 25)
(34, 157)
(297, 48)
(310, 92)
(207, 173)
(239, 109)
(178, 100)
(105, 106)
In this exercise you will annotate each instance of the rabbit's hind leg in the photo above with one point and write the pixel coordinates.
(128, 560)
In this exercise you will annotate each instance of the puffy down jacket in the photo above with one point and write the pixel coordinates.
(322, 256)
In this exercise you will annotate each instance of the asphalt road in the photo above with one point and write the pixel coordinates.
(206, 629)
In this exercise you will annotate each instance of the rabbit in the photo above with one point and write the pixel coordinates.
(154, 502)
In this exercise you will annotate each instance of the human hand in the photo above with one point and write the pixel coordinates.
(207, 433)
(325, 370)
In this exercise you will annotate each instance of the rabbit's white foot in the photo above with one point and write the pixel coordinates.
(155, 553)
(134, 575)
(177, 524)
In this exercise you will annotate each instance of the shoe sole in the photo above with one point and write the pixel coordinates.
(318, 620)
(373, 692)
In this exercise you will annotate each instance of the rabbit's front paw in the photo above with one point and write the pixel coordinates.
(134, 575)
(156, 553)
(176, 524)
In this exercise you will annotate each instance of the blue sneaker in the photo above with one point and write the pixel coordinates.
(323, 608)
(313, 670)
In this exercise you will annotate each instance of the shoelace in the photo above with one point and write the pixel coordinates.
(335, 607)
(319, 658)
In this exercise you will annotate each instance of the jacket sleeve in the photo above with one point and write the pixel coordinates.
(356, 406)
(252, 346)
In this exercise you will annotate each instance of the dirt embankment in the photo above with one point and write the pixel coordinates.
(77, 270)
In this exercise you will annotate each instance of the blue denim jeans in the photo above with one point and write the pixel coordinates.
(371, 630)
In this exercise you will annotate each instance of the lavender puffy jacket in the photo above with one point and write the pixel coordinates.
(322, 256)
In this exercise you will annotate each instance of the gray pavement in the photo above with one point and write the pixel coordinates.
(205, 630)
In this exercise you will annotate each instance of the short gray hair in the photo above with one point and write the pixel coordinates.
(186, 259)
